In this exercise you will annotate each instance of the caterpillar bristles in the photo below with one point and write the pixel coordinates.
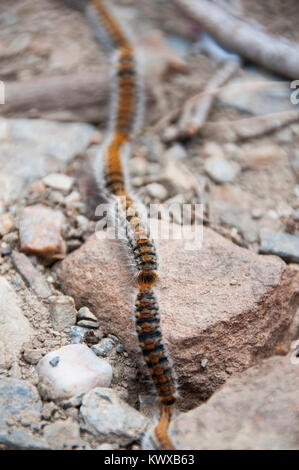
(127, 214)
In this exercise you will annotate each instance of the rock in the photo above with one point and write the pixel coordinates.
(32, 356)
(22, 439)
(259, 101)
(170, 134)
(18, 399)
(203, 316)
(85, 315)
(255, 410)
(61, 141)
(77, 334)
(107, 417)
(281, 244)
(175, 153)
(212, 149)
(31, 275)
(59, 181)
(15, 328)
(107, 446)
(87, 324)
(221, 170)
(156, 191)
(77, 371)
(41, 231)
(6, 223)
(19, 402)
(63, 435)
(49, 408)
(62, 312)
(104, 347)
(34, 148)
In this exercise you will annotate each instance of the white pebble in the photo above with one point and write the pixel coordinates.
(221, 170)
(59, 181)
(156, 191)
(77, 370)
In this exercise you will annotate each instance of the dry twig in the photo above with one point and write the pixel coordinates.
(250, 127)
(273, 53)
(197, 110)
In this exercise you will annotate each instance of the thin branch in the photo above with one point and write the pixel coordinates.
(274, 53)
(196, 112)
(247, 128)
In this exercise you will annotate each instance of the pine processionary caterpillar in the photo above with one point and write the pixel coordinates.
(125, 118)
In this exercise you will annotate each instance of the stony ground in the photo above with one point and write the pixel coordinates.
(71, 375)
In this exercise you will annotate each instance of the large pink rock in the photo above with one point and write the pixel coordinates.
(256, 410)
(222, 307)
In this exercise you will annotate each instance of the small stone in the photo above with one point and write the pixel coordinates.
(281, 244)
(56, 197)
(78, 371)
(77, 334)
(157, 191)
(204, 363)
(48, 410)
(256, 214)
(103, 348)
(85, 314)
(221, 170)
(41, 231)
(59, 181)
(93, 336)
(106, 446)
(62, 312)
(107, 417)
(175, 152)
(73, 199)
(63, 435)
(212, 149)
(170, 133)
(37, 188)
(119, 349)
(32, 356)
(30, 274)
(87, 324)
(6, 223)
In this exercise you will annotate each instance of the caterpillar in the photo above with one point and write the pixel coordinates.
(125, 118)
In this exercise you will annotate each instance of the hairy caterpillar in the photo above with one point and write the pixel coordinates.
(124, 122)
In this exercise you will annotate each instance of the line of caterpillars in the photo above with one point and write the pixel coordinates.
(125, 114)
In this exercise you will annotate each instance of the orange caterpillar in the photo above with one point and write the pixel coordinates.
(125, 119)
